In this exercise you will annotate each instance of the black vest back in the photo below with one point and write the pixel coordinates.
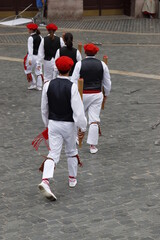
(92, 73)
(59, 100)
(50, 47)
(72, 53)
(36, 43)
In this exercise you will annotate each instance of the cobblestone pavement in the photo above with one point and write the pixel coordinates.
(118, 193)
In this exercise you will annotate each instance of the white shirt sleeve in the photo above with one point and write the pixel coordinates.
(106, 81)
(76, 72)
(44, 104)
(30, 48)
(62, 42)
(40, 53)
(79, 56)
(78, 109)
(56, 72)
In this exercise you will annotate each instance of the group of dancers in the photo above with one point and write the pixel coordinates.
(63, 112)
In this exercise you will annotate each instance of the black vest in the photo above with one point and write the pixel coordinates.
(72, 53)
(92, 73)
(50, 47)
(36, 43)
(59, 100)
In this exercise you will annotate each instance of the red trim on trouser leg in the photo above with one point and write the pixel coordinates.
(99, 129)
(72, 177)
(100, 133)
(79, 161)
(24, 62)
(42, 77)
(42, 165)
(46, 180)
(29, 77)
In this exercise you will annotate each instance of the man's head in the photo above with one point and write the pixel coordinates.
(64, 64)
(32, 27)
(51, 27)
(90, 49)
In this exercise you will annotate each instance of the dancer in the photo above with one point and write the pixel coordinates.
(30, 60)
(62, 112)
(96, 75)
(69, 51)
(47, 51)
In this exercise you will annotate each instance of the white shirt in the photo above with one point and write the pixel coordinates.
(30, 46)
(41, 50)
(106, 81)
(76, 105)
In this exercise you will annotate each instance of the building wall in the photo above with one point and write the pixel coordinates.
(74, 9)
(66, 9)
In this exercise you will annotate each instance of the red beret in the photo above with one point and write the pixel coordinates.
(51, 26)
(32, 26)
(90, 48)
(64, 63)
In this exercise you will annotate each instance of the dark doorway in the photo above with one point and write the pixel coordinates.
(16, 5)
(100, 5)
(127, 7)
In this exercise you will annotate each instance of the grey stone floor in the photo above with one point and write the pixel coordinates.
(118, 191)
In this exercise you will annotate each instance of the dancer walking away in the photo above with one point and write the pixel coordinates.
(30, 60)
(47, 51)
(96, 75)
(62, 112)
(69, 51)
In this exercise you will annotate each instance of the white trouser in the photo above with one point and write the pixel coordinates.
(33, 68)
(92, 106)
(48, 69)
(60, 132)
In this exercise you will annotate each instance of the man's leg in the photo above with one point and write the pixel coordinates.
(94, 120)
(72, 153)
(38, 72)
(55, 145)
(38, 16)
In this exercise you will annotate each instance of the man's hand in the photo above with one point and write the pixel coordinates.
(105, 99)
(80, 134)
(38, 68)
(63, 35)
(29, 77)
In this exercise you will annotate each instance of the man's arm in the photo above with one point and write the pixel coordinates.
(106, 82)
(41, 53)
(78, 109)
(44, 104)
(55, 72)
(78, 56)
(30, 49)
(76, 73)
(62, 42)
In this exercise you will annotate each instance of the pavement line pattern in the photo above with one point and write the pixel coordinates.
(117, 72)
(134, 74)
(86, 30)
(99, 44)
(108, 32)
(11, 59)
